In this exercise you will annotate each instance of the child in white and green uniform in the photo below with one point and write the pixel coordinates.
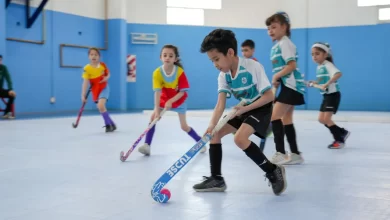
(286, 75)
(327, 77)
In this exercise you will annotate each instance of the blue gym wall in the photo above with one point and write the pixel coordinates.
(360, 56)
(360, 52)
(35, 69)
(201, 73)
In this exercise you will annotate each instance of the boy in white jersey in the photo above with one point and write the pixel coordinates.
(286, 74)
(245, 80)
(327, 76)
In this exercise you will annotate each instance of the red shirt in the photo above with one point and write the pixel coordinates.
(170, 85)
(95, 75)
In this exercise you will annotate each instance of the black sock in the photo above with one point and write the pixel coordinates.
(342, 130)
(291, 138)
(336, 131)
(254, 152)
(278, 130)
(9, 105)
(215, 152)
(334, 137)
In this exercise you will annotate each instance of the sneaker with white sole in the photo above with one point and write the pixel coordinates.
(280, 158)
(295, 159)
(8, 116)
(144, 149)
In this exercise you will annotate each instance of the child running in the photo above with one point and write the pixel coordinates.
(327, 77)
(284, 66)
(96, 74)
(246, 80)
(170, 87)
(248, 49)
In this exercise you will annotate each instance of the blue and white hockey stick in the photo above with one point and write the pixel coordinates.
(179, 164)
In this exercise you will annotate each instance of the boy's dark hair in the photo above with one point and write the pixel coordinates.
(330, 56)
(248, 43)
(221, 40)
(176, 52)
(1, 56)
(283, 19)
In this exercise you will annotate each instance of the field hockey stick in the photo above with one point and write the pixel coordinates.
(81, 110)
(163, 195)
(315, 85)
(274, 88)
(124, 157)
(262, 144)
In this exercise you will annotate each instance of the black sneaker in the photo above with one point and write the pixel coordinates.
(336, 145)
(109, 128)
(345, 134)
(211, 184)
(113, 127)
(277, 179)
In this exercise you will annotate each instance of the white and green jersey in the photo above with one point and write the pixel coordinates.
(281, 53)
(325, 72)
(249, 83)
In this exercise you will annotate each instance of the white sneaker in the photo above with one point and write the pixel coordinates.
(144, 149)
(280, 158)
(8, 116)
(295, 159)
(203, 150)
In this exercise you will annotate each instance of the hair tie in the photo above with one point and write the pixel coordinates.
(285, 15)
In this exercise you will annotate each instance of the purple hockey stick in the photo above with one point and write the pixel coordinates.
(124, 157)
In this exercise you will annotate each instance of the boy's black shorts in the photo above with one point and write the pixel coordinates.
(259, 119)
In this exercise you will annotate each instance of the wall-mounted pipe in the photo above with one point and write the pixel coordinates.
(62, 46)
(7, 3)
(30, 20)
(42, 41)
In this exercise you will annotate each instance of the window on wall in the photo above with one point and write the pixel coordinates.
(189, 12)
(365, 3)
(185, 16)
(198, 4)
(384, 14)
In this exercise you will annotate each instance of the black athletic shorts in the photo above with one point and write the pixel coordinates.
(289, 96)
(4, 93)
(331, 102)
(259, 119)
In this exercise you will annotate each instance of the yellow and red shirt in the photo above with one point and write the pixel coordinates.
(170, 85)
(95, 75)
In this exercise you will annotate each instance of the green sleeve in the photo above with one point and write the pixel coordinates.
(7, 78)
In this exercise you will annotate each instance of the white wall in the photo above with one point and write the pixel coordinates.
(252, 13)
(95, 8)
(340, 13)
(241, 13)
(76, 7)
(234, 13)
(328, 13)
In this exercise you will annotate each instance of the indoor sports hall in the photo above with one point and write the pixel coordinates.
(60, 152)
